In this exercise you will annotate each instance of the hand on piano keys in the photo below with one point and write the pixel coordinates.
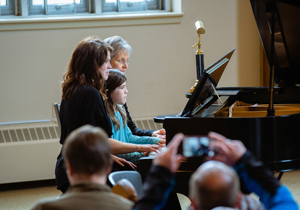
(161, 134)
(162, 149)
(162, 143)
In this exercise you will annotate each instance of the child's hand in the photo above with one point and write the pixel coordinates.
(162, 143)
(146, 154)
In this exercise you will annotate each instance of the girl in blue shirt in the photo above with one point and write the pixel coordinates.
(116, 93)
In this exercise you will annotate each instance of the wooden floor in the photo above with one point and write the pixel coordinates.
(25, 198)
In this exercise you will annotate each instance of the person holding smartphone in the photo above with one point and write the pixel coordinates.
(233, 162)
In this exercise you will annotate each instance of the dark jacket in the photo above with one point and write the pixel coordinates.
(85, 106)
(254, 177)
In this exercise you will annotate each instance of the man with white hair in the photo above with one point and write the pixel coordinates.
(214, 184)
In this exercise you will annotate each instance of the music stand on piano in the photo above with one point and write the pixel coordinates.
(204, 91)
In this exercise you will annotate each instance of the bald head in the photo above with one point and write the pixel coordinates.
(214, 184)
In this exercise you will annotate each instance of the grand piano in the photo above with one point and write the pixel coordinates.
(242, 114)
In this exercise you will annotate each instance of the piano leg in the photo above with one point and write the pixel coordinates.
(279, 176)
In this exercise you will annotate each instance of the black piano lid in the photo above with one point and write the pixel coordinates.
(207, 84)
(287, 37)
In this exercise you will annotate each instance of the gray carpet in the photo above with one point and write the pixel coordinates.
(24, 199)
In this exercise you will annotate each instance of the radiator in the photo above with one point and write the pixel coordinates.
(28, 151)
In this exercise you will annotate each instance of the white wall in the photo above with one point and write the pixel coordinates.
(162, 66)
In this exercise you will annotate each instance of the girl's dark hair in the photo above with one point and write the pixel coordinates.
(88, 56)
(115, 79)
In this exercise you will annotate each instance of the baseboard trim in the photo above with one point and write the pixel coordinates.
(27, 185)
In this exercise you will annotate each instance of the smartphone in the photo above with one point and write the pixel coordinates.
(196, 146)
